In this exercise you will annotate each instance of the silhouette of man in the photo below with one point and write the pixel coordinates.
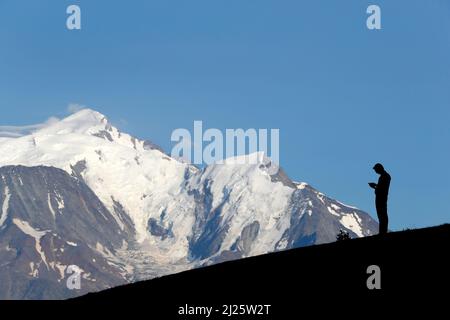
(381, 196)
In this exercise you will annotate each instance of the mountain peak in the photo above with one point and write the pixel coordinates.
(86, 116)
(84, 121)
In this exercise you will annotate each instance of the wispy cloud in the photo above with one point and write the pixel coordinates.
(19, 131)
(6, 134)
(75, 107)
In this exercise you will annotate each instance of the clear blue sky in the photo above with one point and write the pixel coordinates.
(343, 97)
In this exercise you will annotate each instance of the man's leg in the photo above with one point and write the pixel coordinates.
(382, 216)
(385, 218)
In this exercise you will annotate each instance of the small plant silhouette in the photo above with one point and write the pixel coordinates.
(343, 235)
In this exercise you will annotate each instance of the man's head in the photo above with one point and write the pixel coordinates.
(378, 168)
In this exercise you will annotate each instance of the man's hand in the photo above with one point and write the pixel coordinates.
(373, 185)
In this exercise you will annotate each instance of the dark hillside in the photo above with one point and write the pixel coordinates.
(324, 279)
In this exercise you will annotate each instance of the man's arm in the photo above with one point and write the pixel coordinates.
(373, 185)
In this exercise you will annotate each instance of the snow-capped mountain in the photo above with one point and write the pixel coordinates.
(143, 212)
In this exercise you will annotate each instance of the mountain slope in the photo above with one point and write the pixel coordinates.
(319, 280)
(49, 221)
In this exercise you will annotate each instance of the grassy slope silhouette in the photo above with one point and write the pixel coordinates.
(414, 270)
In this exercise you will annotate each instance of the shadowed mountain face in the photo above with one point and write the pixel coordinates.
(80, 192)
(49, 221)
